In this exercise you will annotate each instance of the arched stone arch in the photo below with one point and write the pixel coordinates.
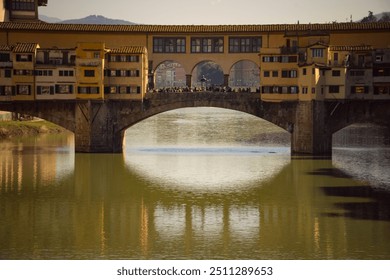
(169, 73)
(244, 73)
(60, 113)
(212, 72)
(345, 114)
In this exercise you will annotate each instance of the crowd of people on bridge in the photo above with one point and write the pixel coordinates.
(204, 89)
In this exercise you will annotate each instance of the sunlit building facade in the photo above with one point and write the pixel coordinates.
(292, 61)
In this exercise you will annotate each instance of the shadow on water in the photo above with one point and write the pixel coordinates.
(377, 208)
(331, 172)
(360, 202)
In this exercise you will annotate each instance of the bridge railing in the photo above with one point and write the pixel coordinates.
(205, 89)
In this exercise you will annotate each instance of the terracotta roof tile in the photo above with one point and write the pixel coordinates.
(194, 28)
(5, 48)
(129, 50)
(25, 47)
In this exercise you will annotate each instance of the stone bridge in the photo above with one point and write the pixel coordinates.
(99, 125)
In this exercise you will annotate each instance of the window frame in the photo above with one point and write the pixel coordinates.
(247, 44)
(169, 45)
(207, 45)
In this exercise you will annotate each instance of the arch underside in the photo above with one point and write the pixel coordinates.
(280, 114)
(349, 113)
(58, 112)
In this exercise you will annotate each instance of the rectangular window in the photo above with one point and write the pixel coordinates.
(289, 73)
(23, 90)
(123, 58)
(89, 73)
(110, 90)
(5, 57)
(66, 73)
(381, 72)
(336, 73)
(356, 72)
(21, 72)
(267, 58)
(7, 73)
(336, 57)
(359, 89)
(43, 72)
(207, 45)
(245, 44)
(45, 90)
(6, 90)
(88, 90)
(24, 5)
(378, 58)
(24, 57)
(289, 59)
(64, 89)
(304, 71)
(275, 73)
(266, 74)
(169, 45)
(381, 90)
(132, 58)
(334, 89)
(317, 52)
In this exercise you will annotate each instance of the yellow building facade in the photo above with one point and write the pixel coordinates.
(90, 70)
(87, 71)
(296, 61)
(125, 73)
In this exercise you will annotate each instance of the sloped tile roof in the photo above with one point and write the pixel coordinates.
(9, 26)
(5, 48)
(128, 50)
(25, 47)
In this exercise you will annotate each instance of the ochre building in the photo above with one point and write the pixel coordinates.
(295, 61)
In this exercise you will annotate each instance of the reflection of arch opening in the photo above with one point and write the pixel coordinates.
(207, 74)
(200, 140)
(244, 73)
(169, 74)
(362, 135)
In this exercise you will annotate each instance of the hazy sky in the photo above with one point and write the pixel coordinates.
(217, 11)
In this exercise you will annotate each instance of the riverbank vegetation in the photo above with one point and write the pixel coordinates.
(11, 129)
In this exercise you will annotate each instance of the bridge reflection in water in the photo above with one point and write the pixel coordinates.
(103, 207)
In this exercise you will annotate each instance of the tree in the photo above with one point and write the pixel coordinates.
(369, 18)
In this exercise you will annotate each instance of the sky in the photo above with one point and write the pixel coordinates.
(183, 12)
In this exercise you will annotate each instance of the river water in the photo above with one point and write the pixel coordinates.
(196, 184)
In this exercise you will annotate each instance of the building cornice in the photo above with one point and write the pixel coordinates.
(329, 27)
